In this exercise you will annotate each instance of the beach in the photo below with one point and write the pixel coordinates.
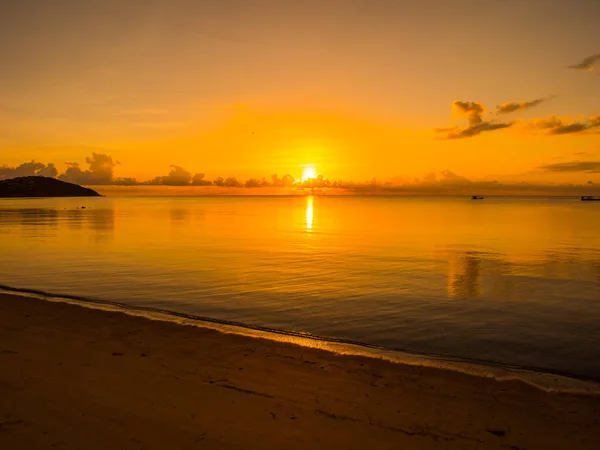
(75, 377)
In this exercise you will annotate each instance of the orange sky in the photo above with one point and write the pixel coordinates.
(355, 88)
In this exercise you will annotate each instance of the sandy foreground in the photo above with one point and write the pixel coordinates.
(79, 378)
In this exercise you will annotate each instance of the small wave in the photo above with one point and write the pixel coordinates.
(539, 377)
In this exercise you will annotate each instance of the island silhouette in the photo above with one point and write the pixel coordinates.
(37, 186)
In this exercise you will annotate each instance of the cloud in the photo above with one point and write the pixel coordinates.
(177, 176)
(475, 130)
(446, 176)
(430, 178)
(48, 171)
(286, 181)
(510, 107)
(569, 129)
(588, 63)
(126, 181)
(28, 169)
(100, 171)
(554, 126)
(229, 182)
(254, 182)
(573, 166)
(434, 183)
(473, 112)
(199, 180)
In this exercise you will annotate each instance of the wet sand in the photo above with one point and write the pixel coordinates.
(80, 378)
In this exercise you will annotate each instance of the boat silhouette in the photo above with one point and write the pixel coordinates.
(588, 198)
(476, 197)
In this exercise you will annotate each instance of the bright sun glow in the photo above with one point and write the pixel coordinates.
(308, 173)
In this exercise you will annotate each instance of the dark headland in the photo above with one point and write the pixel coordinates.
(42, 187)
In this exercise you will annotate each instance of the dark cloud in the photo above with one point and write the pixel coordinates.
(199, 180)
(48, 171)
(555, 126)
(573, 166)
(29, 169)
(485, 126)
(232, 182)
(475, 130)
(228, 182)
(286, 181)
(127, 181)
(588, 63)
(100, 171)
(254, 182)
(177, 176)
(568, 129)
(510, 107)
(473, 112)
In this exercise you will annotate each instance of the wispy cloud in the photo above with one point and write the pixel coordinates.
(510, 107)
(554, 126)
(472, 131)
(473, 112)
(591, 64)
(573, 166)
(584, 153)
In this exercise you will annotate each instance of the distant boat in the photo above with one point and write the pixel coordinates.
(475, 197)
(590, 199)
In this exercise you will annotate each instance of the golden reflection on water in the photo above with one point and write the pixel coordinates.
(503, 249)
(309, 213)
(463, 275)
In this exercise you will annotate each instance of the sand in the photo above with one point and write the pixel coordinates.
(79, 378)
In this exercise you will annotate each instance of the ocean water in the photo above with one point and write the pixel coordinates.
(511, 281)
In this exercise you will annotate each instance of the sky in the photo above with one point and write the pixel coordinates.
(505, 90)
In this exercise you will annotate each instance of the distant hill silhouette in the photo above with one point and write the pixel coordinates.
(42, 187)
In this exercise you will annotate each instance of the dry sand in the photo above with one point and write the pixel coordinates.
(79, 378)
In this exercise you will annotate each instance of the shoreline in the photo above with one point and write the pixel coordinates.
(539, 378)
(78, 377)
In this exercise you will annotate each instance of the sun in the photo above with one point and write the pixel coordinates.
(308, 173)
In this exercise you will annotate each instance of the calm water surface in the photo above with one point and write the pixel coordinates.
(506, 280)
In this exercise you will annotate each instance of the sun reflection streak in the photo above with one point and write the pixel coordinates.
(309, 213)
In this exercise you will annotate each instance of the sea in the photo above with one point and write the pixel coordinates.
(509, 281)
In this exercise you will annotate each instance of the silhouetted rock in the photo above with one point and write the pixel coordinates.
(42, 187)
